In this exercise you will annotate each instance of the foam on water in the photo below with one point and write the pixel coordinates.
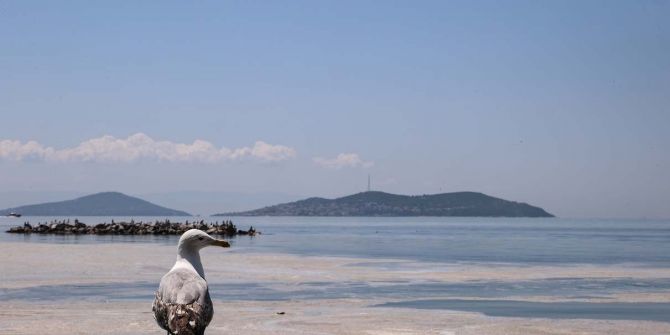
(552, 310)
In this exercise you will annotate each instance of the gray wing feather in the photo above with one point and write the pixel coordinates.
(182, 304)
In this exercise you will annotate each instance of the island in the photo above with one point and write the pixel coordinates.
(99, 204)
(375, 203)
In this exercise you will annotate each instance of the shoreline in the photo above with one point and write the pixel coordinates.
(319, 294)
(341, 317)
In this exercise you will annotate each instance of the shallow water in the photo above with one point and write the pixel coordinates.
(573, 288)
(554, 310)
(428, 244)
(450, 240)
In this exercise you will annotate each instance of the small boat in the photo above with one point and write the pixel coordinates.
(14, 215)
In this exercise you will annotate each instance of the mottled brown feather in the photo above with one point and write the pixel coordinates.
(182, 304)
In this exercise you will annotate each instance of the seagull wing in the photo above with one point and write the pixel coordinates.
(182, 304)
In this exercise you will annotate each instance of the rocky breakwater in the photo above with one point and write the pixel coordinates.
(63, 227)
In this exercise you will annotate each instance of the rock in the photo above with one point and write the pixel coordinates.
(226, 228)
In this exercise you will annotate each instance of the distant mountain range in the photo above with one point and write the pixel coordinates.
(208, 202)
(99, 204)
(375, 203)
(361, 204)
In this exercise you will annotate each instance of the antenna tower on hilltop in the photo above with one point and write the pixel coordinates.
(369, 183)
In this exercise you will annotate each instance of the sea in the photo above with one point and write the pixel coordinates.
(433, 242)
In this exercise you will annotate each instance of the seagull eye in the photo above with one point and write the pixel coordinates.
(201, 238)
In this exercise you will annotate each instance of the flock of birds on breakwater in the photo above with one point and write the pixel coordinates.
(166, 227)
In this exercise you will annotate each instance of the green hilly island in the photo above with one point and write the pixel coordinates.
(375, 203)
(99, 204)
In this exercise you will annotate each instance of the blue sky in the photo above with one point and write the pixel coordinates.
(562, 104)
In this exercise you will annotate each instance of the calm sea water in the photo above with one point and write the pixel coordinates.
(429, 242)
(449, 240)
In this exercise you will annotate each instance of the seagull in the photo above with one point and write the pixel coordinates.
(182, 304)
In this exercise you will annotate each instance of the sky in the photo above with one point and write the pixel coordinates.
(561, 104)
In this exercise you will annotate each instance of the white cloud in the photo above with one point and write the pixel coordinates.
(16, 151)
(140, 146)
(265, 151)
(343, 160)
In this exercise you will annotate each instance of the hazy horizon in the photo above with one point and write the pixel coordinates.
(562, 105)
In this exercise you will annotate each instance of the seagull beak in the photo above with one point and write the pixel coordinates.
(221, 243)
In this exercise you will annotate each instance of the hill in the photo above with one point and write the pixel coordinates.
(375, 203)
(99, 204)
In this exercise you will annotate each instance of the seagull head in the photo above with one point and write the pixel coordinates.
(196, 239)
